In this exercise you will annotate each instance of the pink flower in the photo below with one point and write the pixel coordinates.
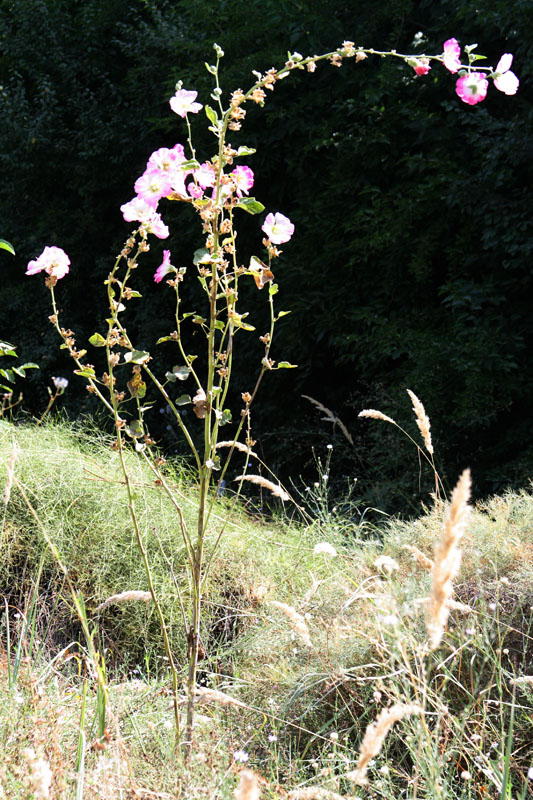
(472, 88)
(278, 228)
(505, 80)
(452, 55)
(141, 211)
(205, 175)
(165, 160)
(53, 260)
(195, 190)
(152, 186)
(183, 103)
(420, 65)
(243, 178)
(164, 268)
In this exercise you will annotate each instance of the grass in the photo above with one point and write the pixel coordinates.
(312, 646)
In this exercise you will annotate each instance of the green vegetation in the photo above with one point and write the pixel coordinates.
(412, 212)
(307, 647)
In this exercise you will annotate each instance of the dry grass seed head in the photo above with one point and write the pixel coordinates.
(448, 560)
(422, 420)
(204, 695)
(238, 446)
(330, 417)
(124, 597)
(315, 793)
(418, 556)
(373, 414)
(248, 788)
(298, 623)
(375, 735)
(275, 488)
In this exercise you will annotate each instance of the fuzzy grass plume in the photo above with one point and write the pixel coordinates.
(448, 561)
(422, 420)
(298, 623)
(274, 488)
(330, 417)
(375, 735)
(124, 597)
(373, 414)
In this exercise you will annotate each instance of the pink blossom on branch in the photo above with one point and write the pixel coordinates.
(152, 186)
(452, 55)
(420, 65)
(53, 260)
(140, 211)
(278, 228)
(505, 80)
(183, 103)
(472, 88)
(243, 178)
(164, 268)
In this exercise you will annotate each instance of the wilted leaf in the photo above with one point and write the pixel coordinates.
(136, 386)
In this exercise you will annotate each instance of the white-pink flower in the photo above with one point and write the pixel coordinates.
(205, 175)
(166, 160)
(183, 103)
(505, 80)
(53, 260)
(243, 178)
(153, 185)
(452, 55)
(420, 65)
(140, 210)
(472, 88)
(278, 228)
(164, 268)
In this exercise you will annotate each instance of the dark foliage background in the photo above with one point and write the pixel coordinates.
(411, 265)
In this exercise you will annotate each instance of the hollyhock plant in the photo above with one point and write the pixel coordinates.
(164, 268)
(505, 80)
(183, 103)
(139, 210)
(452, 55)
(278, 228)
(472, 88)
(53, 260)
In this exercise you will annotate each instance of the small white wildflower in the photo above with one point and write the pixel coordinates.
(389, 619)
(505, 581)
(530, 773)
(325, 477)
(465, 775)
(334, 736)
(241, 756)
(60, 383)
(330, 447)
(384, 770)
(272, 737)
(470, 631)
(492, 606)
(324, 547)
(506, 651)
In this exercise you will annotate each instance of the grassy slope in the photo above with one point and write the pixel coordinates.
(366, 629)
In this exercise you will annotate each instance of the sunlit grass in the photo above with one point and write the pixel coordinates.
(304, 702)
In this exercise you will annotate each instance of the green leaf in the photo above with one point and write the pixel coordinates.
(183, 400)
(225, 418)
(137, 357)
(250, 205)
(181, 373)
(85, 372)
(211, 115)
(201, 256)
(246, 151)
(192, 163)
(7, 246)
(166, 339)
(282, 314)
(219, 325)
(8, 374)
(273, 289)
(134, 293)
(198, 319)
(97, 340)
(134, 429)
(285, 365)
